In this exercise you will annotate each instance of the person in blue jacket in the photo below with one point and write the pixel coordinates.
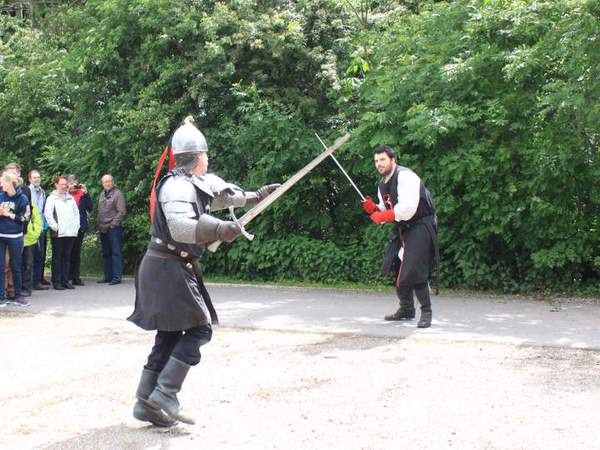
(13, 214)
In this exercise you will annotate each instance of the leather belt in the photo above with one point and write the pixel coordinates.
(167, 255)
(170, 247)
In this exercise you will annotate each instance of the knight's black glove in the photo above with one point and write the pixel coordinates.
(264, 191)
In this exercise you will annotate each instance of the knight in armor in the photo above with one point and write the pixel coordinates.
(405, 201)
(170, 294)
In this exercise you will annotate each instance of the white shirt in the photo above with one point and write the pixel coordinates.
(409, 194)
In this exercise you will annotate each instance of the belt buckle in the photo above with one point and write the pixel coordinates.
(189, 266)
(171, 247)
(184, 254)
(158, 241)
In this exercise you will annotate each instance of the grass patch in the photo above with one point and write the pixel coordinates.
(299, 283)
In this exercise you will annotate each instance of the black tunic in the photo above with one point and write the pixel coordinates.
(417, 235)
(170, 294)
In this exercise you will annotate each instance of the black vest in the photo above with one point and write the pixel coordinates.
(160, 228)
(389, 193)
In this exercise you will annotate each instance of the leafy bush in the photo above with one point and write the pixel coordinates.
(301, 258)
(493, 103)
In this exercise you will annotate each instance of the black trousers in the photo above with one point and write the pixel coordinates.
(182, 345)
(61, 259)
(28, 260)
(75, 266)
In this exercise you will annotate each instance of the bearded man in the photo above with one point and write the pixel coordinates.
(405, 201)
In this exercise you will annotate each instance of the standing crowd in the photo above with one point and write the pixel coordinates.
(28, 216)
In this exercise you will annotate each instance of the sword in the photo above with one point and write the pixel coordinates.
(266, 202)
(362, 197)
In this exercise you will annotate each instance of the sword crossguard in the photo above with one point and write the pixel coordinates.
(247, 235)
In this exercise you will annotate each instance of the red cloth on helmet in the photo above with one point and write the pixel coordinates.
(167, 152)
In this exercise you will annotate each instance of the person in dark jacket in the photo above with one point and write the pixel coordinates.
(85, 205)
(111, 212)
(14, 207)
(15, 169)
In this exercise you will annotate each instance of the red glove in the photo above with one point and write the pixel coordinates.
(369, 206)
(380, 217)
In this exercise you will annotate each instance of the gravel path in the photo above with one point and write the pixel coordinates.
(68, 382)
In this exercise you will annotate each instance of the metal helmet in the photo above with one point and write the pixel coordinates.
(188, 139)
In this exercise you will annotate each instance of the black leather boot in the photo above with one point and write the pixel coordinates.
(144, 411)
(168, 385)
(407, 305)
(425, 301)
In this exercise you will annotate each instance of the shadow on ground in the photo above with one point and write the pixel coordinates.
(335, 343)
(122, 436)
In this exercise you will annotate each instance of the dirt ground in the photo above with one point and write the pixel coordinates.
(68, 382)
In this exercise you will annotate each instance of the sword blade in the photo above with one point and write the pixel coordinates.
(273, 196)
(362, 197)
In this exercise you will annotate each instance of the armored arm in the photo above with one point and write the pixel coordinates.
(225, 194)
(228, 194)
(186, 219)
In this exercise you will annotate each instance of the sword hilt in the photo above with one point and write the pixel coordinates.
(247, 235)
(215, 245)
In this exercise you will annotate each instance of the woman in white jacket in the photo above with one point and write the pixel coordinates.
(62, 215)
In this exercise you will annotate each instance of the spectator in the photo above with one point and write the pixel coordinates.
(38, 198)
(84, 203)
(405, 201)
(13, 209)
(30, 242)
(15, 169)
(111, 211)
(62, 216)
(10, 293)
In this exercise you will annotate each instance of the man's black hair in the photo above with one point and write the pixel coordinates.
(387, 150)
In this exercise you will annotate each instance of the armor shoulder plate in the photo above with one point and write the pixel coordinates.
(225, 194)
(215, 183)
(178, 189)
(201, 184)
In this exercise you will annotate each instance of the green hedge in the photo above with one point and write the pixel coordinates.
(301, 258)
(494, 103)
